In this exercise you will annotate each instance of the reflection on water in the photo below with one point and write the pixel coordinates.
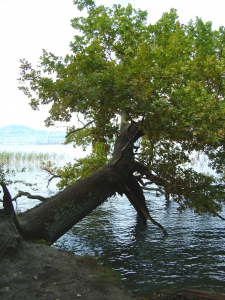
(192, 256)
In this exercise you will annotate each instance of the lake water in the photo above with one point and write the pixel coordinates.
(192, 256)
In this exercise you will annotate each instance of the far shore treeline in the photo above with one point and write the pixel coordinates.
(19, 135)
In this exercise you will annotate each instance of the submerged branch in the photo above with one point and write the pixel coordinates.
(133, 199)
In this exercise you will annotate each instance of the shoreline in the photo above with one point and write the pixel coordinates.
(38, 271)
(34, 271)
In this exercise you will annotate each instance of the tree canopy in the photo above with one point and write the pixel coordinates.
(166, 77)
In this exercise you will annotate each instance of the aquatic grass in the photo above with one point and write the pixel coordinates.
(16, 158)
(4, 156)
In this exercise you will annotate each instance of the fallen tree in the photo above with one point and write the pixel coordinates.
(147, 99)
(56, 215)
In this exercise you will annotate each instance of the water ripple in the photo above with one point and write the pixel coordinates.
(192, 256)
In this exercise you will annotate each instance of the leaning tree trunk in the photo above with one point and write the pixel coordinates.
(53, 218)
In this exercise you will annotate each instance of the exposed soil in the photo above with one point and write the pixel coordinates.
(41, 272)
(35, 271)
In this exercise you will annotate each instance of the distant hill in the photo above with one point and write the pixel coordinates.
(19, 134)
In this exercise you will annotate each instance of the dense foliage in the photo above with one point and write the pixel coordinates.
(167, 77)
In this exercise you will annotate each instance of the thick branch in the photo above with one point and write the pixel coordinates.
(53, 218)
(143, 170)
(7, 201)
(8, 206)
(134, 187)
(131, 141)
(135, 202)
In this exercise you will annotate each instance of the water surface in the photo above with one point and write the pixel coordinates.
(192, 256)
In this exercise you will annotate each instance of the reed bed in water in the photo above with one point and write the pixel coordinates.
(15, 158)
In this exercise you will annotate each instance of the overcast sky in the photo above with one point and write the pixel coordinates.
(28, 26)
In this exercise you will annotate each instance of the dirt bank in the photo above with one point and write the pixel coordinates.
(35, 271)
(40, 272)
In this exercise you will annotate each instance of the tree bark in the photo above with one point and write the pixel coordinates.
(54, 217)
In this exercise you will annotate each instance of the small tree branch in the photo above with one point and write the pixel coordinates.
(28, 195)
(218, 215)
(153, 189)
(50, 172)
(51, 178)
(52, 175)
(81, 128)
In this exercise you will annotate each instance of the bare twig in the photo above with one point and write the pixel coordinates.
(53, 175)
(51, 178)
(47, 168)
(28, 195)
(218, 215)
